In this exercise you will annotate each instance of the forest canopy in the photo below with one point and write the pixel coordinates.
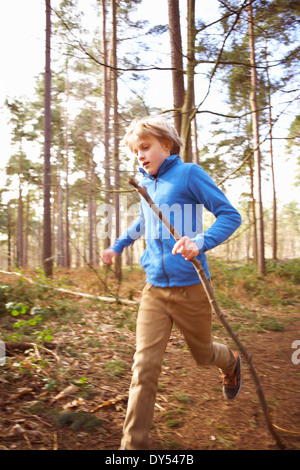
(231, 80)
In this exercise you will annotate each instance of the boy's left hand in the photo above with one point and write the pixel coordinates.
(186, 247)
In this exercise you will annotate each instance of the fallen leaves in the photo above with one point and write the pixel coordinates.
(113, 401)
(66, 392)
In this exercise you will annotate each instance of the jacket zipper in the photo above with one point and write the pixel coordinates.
(161, 244)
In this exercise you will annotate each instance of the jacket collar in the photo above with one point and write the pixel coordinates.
(165, 166)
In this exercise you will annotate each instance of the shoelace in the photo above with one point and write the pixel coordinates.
(230, 380)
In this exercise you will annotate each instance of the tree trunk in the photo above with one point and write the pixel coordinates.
(91, 203)
(188, 105)
(274, 227)
(60, 228)
(8, 236)
(47, 252)
(20, 238)
(118, 259)
(176, 61)
(26, 241)
(255, 256)
(257, 154)
(67, 255)
(196, 148)
(106, 87)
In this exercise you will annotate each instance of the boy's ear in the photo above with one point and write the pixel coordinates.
(168, 146)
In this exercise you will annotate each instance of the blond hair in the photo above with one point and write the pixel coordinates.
(154, 127)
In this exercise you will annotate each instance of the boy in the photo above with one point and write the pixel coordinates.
(173, 292)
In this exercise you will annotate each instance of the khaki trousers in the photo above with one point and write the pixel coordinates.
(189, 308)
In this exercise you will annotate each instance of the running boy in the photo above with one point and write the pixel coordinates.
(173, 292)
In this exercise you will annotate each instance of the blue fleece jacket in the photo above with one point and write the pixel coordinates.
(180, 190)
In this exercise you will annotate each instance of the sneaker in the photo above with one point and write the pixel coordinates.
(232, 382)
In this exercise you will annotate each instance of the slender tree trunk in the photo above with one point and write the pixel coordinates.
(26, 241)
(67, 255)
(176, 61)
(47, 251)
(274, 227)
(91, 228)
(253, 228)
(188, 105)
(118, 259)
(196, 148)
(106, 86)
(60, 222)
(8, 236)
(253, 206)
(20, 238)
(257, 154)
(91, 210)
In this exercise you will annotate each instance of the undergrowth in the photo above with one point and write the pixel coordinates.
(93, 344)
(36, 310)
(235, 283)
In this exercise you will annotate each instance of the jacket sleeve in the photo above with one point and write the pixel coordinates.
(133, 233)
(214, 200)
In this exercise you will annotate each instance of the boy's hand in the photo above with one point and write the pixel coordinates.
(186, 247)
(108, 255)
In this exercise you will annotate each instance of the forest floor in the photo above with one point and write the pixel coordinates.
(68, 389)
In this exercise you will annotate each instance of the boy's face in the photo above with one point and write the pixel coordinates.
(150, 152)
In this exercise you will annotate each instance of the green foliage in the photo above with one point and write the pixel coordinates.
(16, 309)
(271, 324)
(278, 287)
(289, 270)
(78, 421)
(115, 368)
(30, 306)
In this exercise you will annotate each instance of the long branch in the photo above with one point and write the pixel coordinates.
(78, 294)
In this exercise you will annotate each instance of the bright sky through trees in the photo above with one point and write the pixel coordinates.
(22, 35)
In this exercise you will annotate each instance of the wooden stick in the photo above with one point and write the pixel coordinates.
(216, 309)
(78, 294)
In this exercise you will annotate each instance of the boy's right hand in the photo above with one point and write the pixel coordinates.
(108, 255)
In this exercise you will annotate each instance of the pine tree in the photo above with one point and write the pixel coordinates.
(47, 232)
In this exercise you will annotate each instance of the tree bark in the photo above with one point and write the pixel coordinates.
(20, 238)
(257, 153)
(67, 254)
(274, 227)
(60, 228)
(106, 87)
(47, 252)
(91, 202)
(176, 61)
(118, 259)
(253, 206)
(188, 105)
(9, 230)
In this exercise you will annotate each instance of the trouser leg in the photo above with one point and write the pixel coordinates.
(152, 335)
(189, 308)
(192, 313)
